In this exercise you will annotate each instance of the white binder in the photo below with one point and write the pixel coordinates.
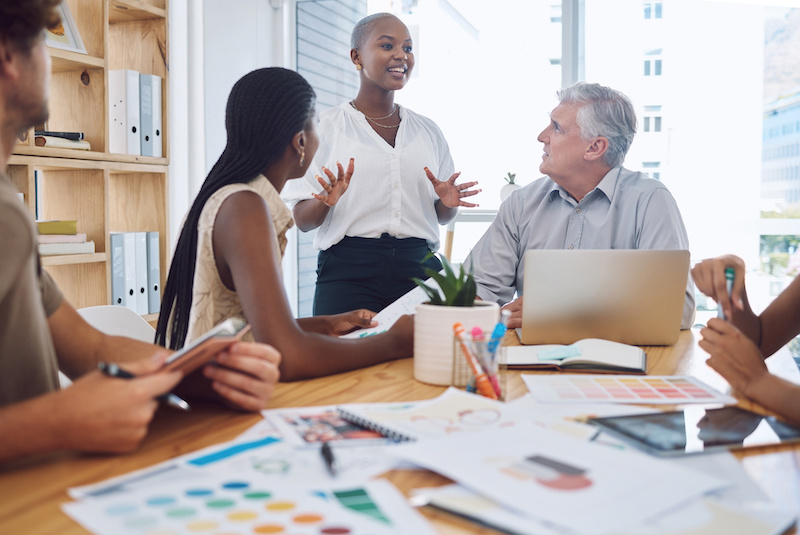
(150, 111)
(142, 306)
(117, 269)
(153, 274)
(129, 268)
(123, 112)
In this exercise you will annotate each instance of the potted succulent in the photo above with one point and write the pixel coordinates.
(451, 296)
(509, 188)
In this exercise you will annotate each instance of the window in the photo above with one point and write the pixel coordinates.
(653, 169)
(652, 63)
(652, 10)
(651, 119)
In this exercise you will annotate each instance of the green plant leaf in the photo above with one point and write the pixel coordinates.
(454, 289)
(433, 294)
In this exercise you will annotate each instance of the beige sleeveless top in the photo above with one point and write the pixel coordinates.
(212, 302)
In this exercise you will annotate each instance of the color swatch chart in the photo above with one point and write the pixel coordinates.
(622, 389)
(216, 504)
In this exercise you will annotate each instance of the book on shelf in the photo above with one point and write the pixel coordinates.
(49, 249)
(74, 136)
(62, 238)
(587, 355)
(62, 143)
(58, 226)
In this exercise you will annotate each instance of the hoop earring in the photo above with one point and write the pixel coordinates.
(302, 157)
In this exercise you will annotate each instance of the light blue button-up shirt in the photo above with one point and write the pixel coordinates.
(627, 210)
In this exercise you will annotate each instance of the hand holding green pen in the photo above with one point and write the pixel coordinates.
(730, 275)
(727, 289)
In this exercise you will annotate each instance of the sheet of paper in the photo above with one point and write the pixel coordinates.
(226, 503)
(405, 304)
(651, 389)
(552, 477)
(310, 426)
(270, 456)
(454, 412)
(740, 508)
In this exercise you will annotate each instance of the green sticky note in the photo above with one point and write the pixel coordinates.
(559, 353)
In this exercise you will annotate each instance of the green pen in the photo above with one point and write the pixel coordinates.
(729, 276)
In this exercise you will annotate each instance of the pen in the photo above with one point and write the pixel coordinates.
(482, 382)
(729, 276)
(499, 331)
(330, 460)
(487, 358)
(113, 370)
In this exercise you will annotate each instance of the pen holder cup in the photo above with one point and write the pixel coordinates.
(494, 366)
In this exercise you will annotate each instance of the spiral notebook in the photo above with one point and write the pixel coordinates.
(454, 411)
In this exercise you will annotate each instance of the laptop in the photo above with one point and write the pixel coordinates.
(631, 296)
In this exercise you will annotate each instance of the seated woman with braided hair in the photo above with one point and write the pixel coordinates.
(227, 261)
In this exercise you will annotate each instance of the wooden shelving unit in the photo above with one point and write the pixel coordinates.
(105, 192)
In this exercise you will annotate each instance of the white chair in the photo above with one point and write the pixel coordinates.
(115, 320)
(119, 321)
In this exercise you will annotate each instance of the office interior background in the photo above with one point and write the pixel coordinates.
(716, 86)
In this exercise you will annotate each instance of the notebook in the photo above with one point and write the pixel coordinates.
(630, 296)
(452, 412)
(591, 355)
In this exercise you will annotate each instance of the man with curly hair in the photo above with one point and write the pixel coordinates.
(41, 333)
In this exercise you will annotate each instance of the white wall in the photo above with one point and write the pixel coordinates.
(211, 46)
(236, 42)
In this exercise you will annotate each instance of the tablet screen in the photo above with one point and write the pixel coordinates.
(697, 430)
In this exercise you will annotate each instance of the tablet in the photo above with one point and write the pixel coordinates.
(698, 430)
(205, 348)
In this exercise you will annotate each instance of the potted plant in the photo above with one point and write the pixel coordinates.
(509, 188)
(451, 296)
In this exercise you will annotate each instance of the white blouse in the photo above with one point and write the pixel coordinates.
(389, 191)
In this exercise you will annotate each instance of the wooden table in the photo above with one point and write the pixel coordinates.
(31, 491)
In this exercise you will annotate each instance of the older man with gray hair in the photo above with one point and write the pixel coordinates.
(586, 201)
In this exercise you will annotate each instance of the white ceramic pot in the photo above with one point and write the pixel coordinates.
(433, 337)
(507, 190)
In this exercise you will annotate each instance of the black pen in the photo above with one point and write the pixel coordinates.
(113, 370)
(330, 460)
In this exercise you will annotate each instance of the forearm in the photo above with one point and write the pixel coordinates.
(319, 355)
(780, 321)
(30, 428)
(777, 395)
(445, 214)
(315, 324)
(310, 214)
(80, 347)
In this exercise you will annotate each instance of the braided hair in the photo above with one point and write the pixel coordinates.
(266, 108)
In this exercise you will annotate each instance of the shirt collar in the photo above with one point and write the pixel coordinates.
(607, 186)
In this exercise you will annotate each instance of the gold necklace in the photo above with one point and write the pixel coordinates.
(374, 120)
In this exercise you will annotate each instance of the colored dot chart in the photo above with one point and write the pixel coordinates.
(653, 390)
(219, 505)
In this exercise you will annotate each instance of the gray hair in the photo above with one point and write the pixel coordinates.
(607, 113)
(363, 27)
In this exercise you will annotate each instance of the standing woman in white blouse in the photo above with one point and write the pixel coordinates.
(375, 231)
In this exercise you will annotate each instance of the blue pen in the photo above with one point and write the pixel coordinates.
(498, 332)
(113, 370)
(729, 276)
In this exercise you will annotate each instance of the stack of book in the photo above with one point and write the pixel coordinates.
(61, 140)
(61, 237)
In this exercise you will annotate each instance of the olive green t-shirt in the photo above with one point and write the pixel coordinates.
(28, 364)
